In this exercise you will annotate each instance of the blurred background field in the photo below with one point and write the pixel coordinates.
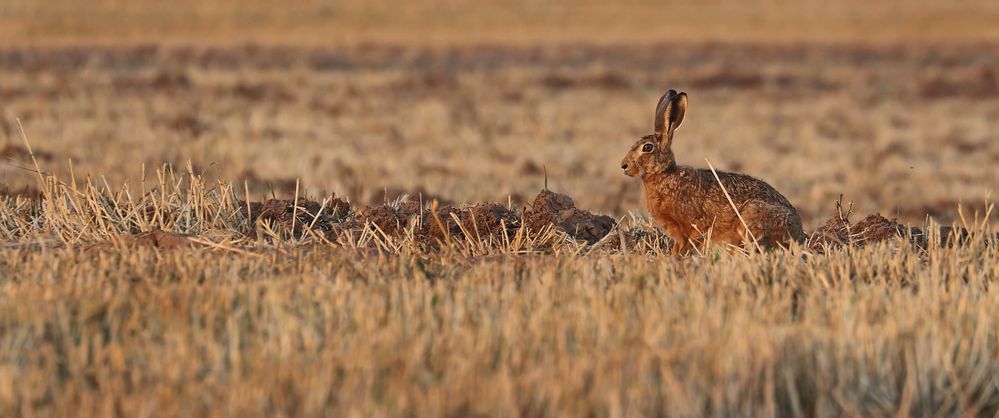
(902, 130)
(891, 104)
(328, 22)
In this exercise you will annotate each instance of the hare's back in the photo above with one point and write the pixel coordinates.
(744, 188)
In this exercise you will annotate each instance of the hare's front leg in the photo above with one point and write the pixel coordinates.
(681, 242)
(681, 245)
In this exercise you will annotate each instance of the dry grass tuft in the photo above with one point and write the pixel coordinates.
(301, 330)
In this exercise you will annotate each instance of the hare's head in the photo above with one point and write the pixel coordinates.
(654, 153)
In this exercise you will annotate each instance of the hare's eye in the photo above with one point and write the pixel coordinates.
(647, 148)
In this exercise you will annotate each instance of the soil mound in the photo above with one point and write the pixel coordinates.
(481, 221)
(390, 218)
(837, 231)
(488, 220)
(877, 228)
(550, 208)
(308, 214)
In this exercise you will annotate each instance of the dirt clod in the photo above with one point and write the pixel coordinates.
(309, 213)
(550, 208)
(837, 231)
(877, 228)
(481, 221)
(391, 219)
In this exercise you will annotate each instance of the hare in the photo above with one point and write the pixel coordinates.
(688, 202)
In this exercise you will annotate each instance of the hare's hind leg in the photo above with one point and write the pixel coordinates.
(763, 219)
(772, 225)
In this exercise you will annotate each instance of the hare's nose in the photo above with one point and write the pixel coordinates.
(624, 166)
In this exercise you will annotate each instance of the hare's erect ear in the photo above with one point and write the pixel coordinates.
(669, 113)
(679, 108)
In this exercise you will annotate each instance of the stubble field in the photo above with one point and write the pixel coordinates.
(134, 288)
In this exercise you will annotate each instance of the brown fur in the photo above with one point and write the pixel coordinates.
(688, 202)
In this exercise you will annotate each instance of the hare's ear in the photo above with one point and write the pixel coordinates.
(669, 113)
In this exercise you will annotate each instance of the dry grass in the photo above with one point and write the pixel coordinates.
(133, 288)
(223, 316)
(324, 331)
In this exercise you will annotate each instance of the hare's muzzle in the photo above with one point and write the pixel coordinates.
(629, 169)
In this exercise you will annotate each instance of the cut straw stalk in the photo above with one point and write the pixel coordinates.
(38, 169)
(730, 202)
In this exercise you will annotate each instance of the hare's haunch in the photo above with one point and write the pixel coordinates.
(688, 202)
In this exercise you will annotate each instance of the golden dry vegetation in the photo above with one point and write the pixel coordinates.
(223, 317)
(159, 266)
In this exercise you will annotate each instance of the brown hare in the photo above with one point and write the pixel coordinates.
(688, 202)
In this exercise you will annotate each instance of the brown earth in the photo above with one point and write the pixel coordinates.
(298, 216)
(837, 231)
(435, 224)
(550, 208)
